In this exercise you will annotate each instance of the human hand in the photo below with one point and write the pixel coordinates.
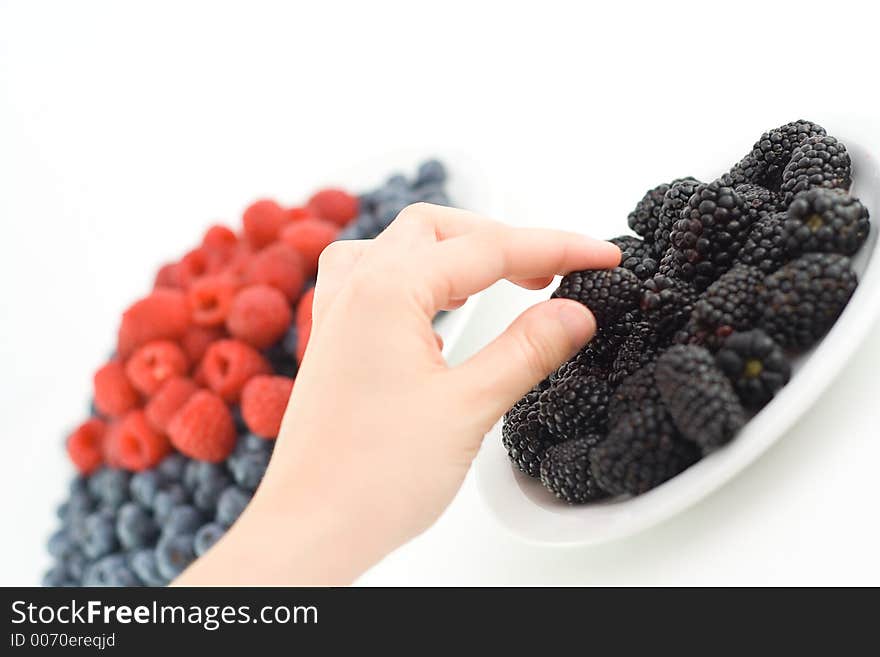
(380, 432)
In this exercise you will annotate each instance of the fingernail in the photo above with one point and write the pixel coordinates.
(578, 322)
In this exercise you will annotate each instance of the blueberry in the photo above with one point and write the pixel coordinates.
(248, 469)
(251, 442)
(93, 409)
(98, 534)
(388, 211)
(57, 575)
(207, 495)
(135, 527)
(143, 563)
(61, 545)
(230, 505)
(79, 504)
(79, 484)
(207, 536)
(431, 171)
(282, 362)
(110, 487)
(397, 181)
(183, 519)
(112, 570)
(62, 511)
(238, 419)
(437, 198)
(290, 340)
(172, 466)
(199, 473)
(76, 564)
(208, 481)
(144, 486)
(174, 554)
(166, 499)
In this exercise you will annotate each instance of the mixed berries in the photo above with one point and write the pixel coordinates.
(186, 410)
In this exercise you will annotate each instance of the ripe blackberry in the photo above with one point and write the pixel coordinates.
(765, 246)
(644, 219)
(826, 221)
(565, 471)
(636, 255)
(667, 303)
(634, 392)
(524, 436)
(698, 395)
(674, 202)
(759, 201)
(727, 305)
(801, 301)
(608, 293)
(574, 407)
(637, 350)
(773, 151)
(642, 450)
(707, 236)
(817, 162)
(755, 365)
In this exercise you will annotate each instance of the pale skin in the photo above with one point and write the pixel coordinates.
(380, 432)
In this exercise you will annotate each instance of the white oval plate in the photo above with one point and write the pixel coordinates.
(530, 511)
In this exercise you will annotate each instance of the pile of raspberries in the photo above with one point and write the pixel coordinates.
(185, 412)
(726, 281)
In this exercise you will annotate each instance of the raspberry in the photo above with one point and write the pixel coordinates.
(203, 428)
(237, 265)
(196, 340)
(279, 266)
(298, 214)
(167, 400)
(193, 266)
(137, 445)
(304, 309)
(168, 276)
(263, 402)
(303, 341)
(309, 237)
(210, 298)
(262, 221)
(219, 237)
(163, 315)
(259, 315)
(229, 364)
(153, 363)
(334, 205)
(110, 444)
(84, 445)
(114, 394)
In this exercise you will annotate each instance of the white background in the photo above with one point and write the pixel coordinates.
(125, 130)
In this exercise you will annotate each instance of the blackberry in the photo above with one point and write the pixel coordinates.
(636, 255)
(524, 436)
(699, 397)
(565, 471)
(644, 219)
(801, 301)
(642, 450)
(818, 162)
(755, 365)
(634, 392)
(765, 247)
(826, 221)
(667, 303)
(727, 305)
(759, 201)
(574, 407)
(608, 293)
(637, 350)
(674, 202)
(773, 151)
(707, 236)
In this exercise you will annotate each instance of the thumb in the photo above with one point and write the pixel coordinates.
(535, 344)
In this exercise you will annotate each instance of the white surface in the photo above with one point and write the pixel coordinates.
(124, 131)
(524, 506)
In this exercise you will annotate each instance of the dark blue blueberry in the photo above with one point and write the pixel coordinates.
(207, 536)
(57, 575)
(166, 499)
(79, 484)
(76, 565)
(183, 519)
(290, 340)
(206, 495)
(251, 442)
(238, 418)
(367, 201)
(172, 466)
(388, 212)
(199, 473)
(135, 526)
(112, 570)
(437, 198)
(282, 362)
(174, 554)
(397, 181)
(79, 504)
(98, 535)
(248, 469)
(144, 486)
(110, 487)
(230, 505)
(431, 171)
(93, 409)
(61, 545)
(62, 511)
(143, 563)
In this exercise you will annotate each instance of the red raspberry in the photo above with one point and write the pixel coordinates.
(309, 237)
(210, 298)
(114, 394)
(203, 428)
(302, 341)
(279, 266)
(85, 445)
(168, 399)
(238, 264)
(137, 445)
(263, 402)
(334, 205)
(193, 266)
(196, 340)
(227, 366)
(111, 445)
(260, 315)
(151, 365)
(168, 276)
(219, 237)
(298, 214)
(163, 315)
(304, 309)
(262, 221)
